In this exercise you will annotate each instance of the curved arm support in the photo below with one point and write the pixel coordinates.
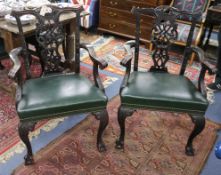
(101, 62)
(206, 66)
(17, 64)
(127, 47)
(96, 62)
(14, 72)
(126, 62)
(200, 54)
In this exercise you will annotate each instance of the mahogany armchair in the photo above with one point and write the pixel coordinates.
(156, 89)
(61, 89)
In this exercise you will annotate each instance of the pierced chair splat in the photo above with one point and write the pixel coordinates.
(157, 89)
(60, 90)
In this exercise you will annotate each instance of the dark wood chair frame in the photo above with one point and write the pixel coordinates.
(51, 63)
(3, 55)
(162, 38)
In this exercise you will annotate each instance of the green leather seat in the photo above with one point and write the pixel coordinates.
(160, 91)
(58, 95)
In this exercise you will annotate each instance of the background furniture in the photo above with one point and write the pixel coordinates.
(115, 17)
(213, 18)
(190, 6)
(184, 24)
(10, 33)
(92, 7)
(61, 89)
(157, 89)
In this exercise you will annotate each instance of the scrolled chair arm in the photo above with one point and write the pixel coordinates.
(16, 62)
(200, 54)
(96, 62)
(126, 61)
(101, 62)
(129, 55)
(206, 66)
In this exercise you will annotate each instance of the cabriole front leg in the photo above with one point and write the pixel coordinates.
(123, 113)
(23, 129)
(104, 119)
(199, 121)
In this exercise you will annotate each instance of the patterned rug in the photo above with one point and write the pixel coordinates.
(10, 143)
(154, 145)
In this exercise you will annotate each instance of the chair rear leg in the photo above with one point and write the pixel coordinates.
(104, 119)
(123, 113)
(199, 122)
(23, 129)
(193, 56)
(1, 66)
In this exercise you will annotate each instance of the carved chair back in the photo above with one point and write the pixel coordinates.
(164, 32)
(53, 36)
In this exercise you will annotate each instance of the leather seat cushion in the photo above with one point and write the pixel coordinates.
(162, 91)
(59, 94)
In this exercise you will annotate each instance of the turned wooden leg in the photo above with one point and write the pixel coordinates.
(123, 113)
(23, 130)
(199, 122)
(104, 119)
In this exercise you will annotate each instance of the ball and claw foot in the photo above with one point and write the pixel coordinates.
(29, 160)
(189, 151)
(101, 147)
(119, 144)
